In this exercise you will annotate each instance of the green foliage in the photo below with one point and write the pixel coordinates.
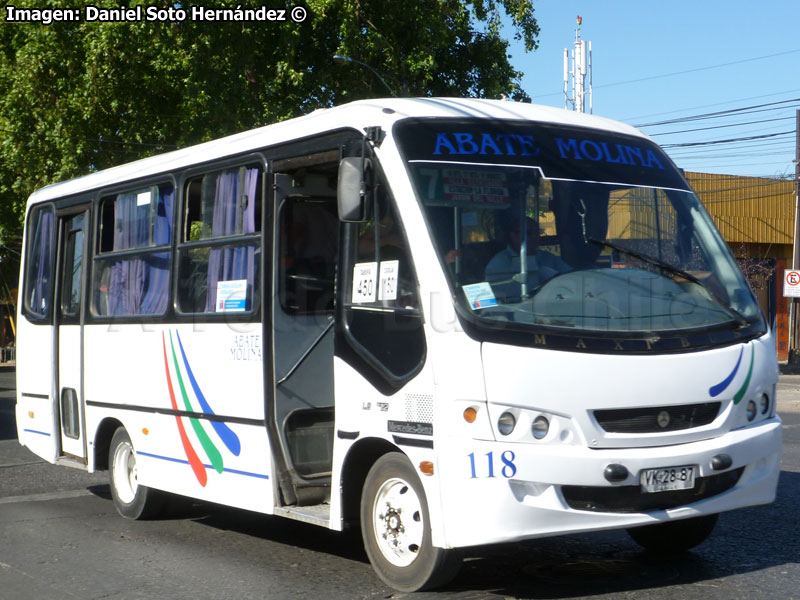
(78, 97)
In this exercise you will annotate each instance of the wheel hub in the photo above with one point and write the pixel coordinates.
(398, 522)
(394, 524)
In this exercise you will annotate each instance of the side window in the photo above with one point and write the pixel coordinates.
(40, 262)
(73, 267)
(381, 318)
(308, 239)
(220, 242)
(131, 275)
(383, 273)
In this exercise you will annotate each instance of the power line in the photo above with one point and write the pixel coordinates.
(698, 69)
(780, 147)
(671, 112)
(762, 144)
(716, 155)
(743, 109)
(755, 150)
(755, 144)
(722, 126)
(740, 139)
(673, 74)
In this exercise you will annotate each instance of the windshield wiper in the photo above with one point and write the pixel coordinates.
(673, 270)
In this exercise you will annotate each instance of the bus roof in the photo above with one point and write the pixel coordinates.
(356, 115)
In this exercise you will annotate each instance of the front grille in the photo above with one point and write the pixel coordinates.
(646, 420)
(630, 498)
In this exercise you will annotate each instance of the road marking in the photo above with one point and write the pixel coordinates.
(46, 497)
(22, 464)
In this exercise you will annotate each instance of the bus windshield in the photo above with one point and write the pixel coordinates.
(572, 229)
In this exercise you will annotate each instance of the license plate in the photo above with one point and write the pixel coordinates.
(668, 479)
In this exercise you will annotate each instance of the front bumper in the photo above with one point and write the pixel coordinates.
(495, 492)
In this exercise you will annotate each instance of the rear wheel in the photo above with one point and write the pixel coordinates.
(132, 500)
(396, 529)
(674, 537)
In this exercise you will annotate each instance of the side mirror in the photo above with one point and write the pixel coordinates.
(353, 189)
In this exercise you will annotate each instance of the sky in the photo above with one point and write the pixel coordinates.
(656, 61)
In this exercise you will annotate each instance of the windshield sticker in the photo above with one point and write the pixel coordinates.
(388, 282)
(479, 295)
(232, 295)
(364, 277)
(462, 186)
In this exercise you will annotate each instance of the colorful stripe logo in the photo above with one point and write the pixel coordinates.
(716, 390)
(224, 433)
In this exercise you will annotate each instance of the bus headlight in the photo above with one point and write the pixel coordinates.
(764, 404)
(540, 427)
(751, 410)
(506, 423)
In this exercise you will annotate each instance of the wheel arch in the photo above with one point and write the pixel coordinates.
(360, 458)
(102, 442)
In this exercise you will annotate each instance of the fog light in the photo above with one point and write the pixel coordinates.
(616, 473)
(540, 427)
(751, 410)
(764, 404)
(506, 423)
(721, 462)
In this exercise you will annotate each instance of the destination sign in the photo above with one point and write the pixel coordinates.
(559, 152)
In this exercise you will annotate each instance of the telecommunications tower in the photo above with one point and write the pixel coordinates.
(581, 59)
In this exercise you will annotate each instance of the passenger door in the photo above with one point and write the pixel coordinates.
(305, 255)
(69, 331)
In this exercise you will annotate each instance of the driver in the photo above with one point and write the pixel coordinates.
(502, 268)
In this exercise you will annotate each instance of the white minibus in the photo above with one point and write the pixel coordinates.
(448, 322)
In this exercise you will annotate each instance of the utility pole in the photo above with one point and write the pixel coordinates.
(793, 316)
(581, 66)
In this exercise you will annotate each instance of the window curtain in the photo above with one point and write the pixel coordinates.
(156, 297)
(42, 256)
(140, 285)
(233, 216)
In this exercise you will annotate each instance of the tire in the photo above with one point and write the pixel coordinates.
(133, 501)
(674, 537)
(395, 526)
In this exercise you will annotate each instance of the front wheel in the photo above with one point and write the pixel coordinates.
(396, 529)
(132, 500)
(674, 537)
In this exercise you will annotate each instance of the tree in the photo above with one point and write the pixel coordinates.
(78, 97)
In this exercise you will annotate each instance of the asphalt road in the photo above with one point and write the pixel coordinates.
(60, 537)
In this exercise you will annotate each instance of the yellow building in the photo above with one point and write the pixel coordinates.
(756, 217)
